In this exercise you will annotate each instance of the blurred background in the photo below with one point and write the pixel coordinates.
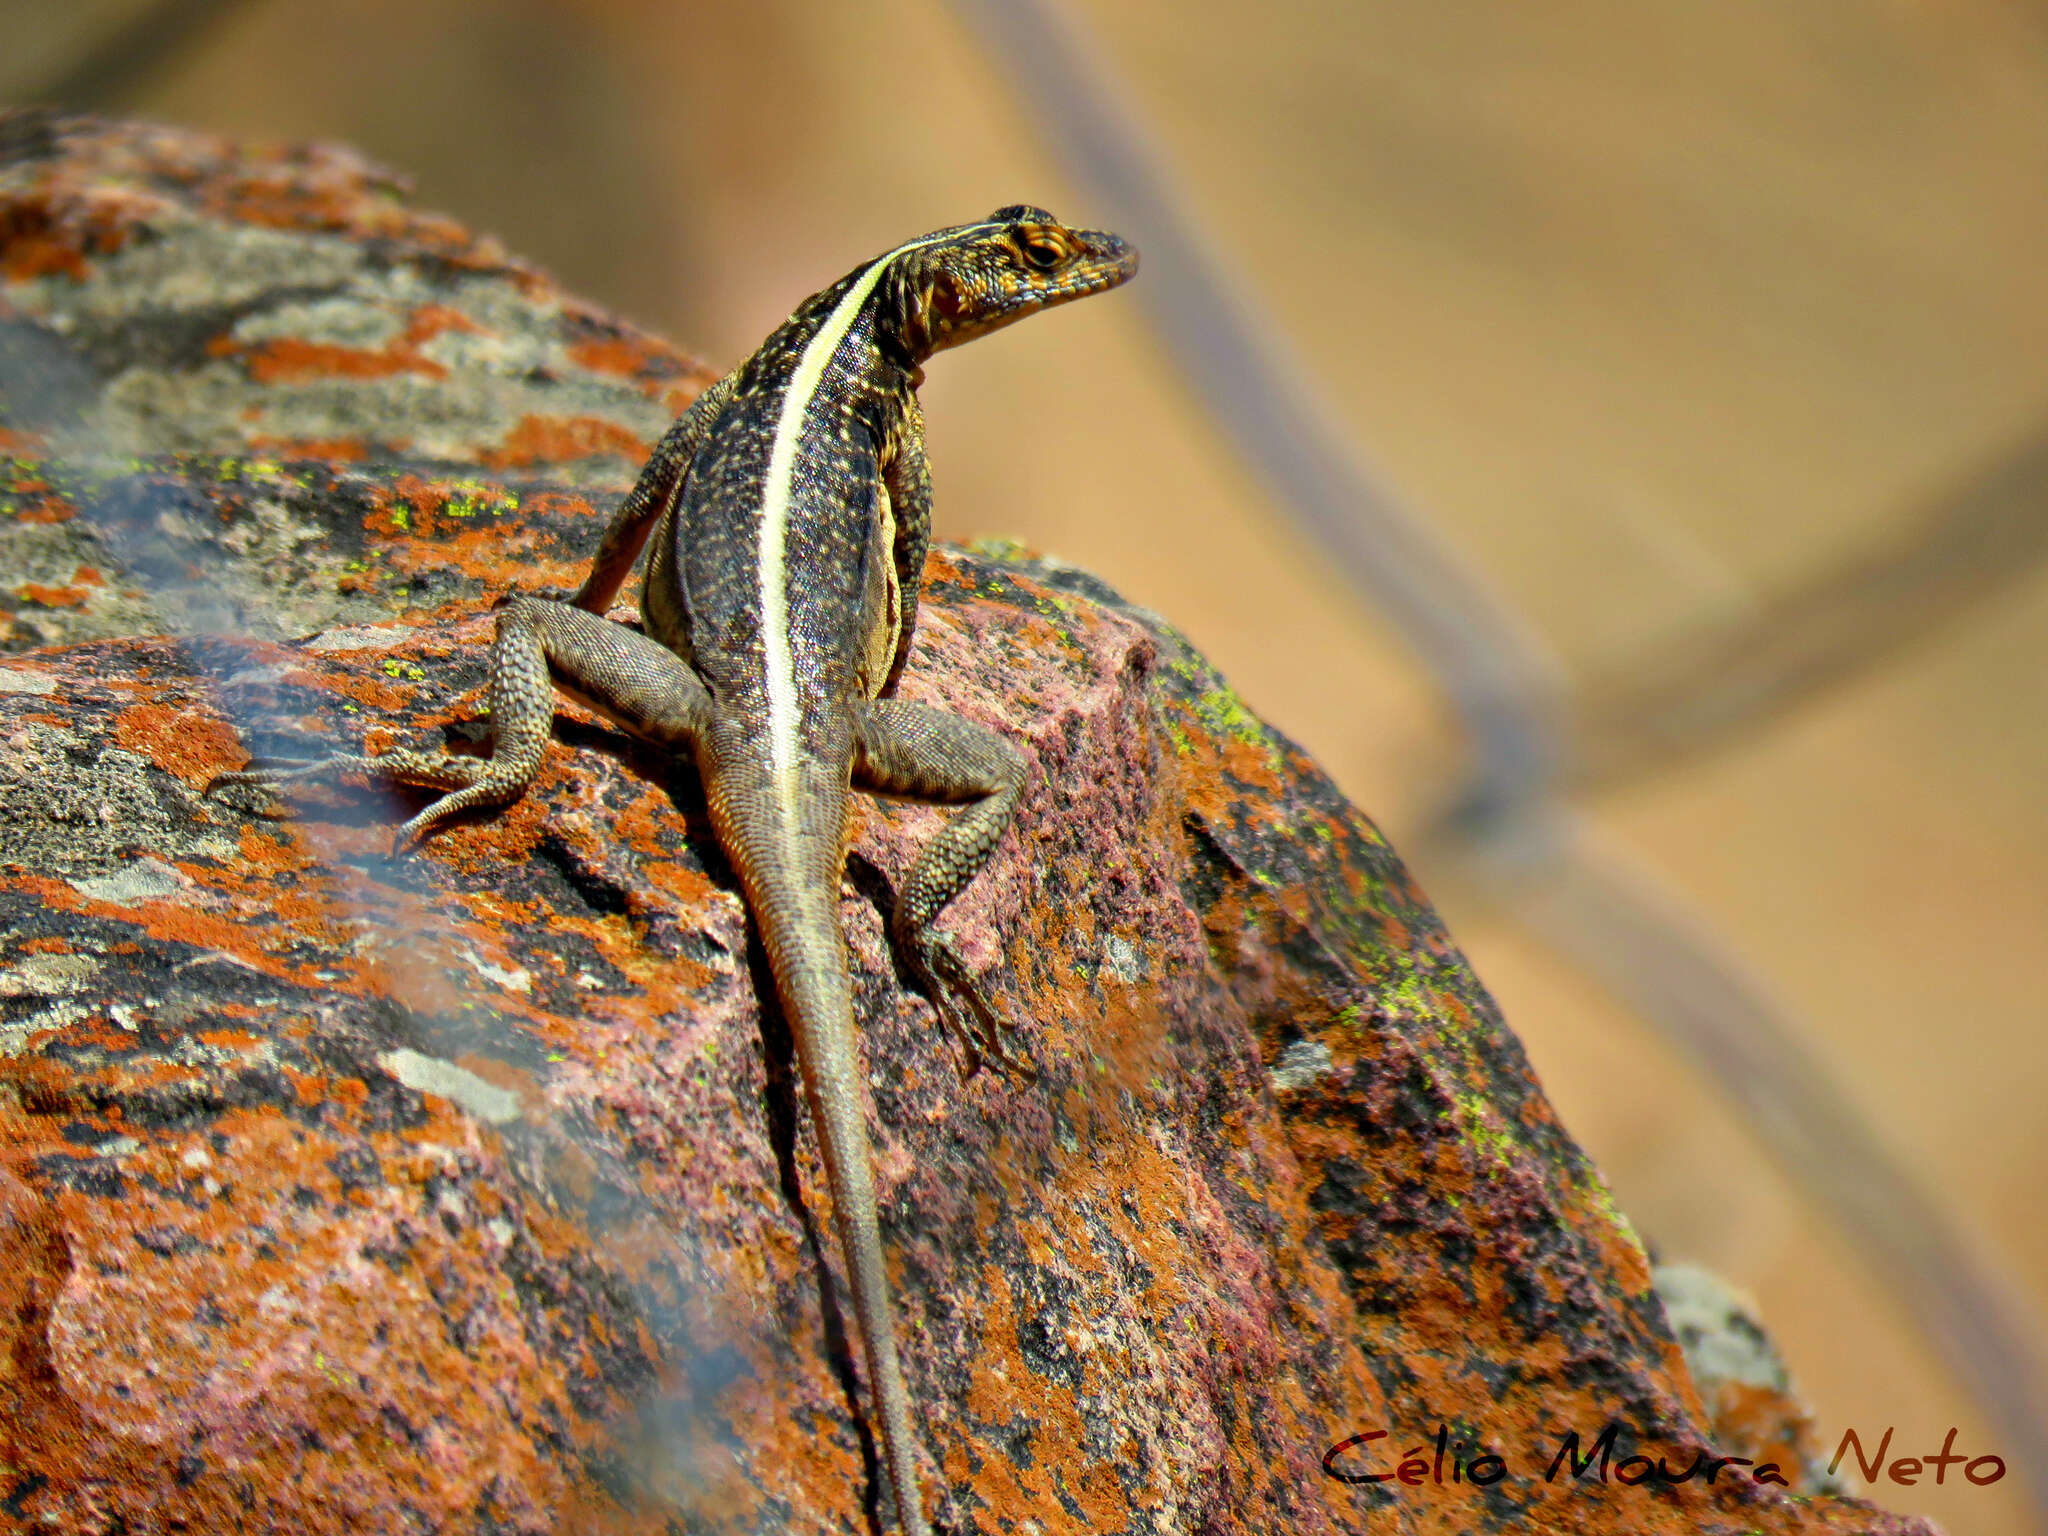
(1703, 349)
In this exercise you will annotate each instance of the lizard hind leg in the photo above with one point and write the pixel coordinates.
(923, 753)
(522, 712)
(640, 683)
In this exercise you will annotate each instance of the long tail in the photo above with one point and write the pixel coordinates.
(791, 866)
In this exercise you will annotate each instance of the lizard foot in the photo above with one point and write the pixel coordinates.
(272, 780)
(981, 1032)
(469, 781)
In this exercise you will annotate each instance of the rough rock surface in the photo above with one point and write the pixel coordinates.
(1752, 1402)
(470, 1192)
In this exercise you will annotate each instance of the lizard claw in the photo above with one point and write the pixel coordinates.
(983, 1034)
(269, 780)
(466, 782)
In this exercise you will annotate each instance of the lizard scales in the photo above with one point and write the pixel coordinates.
(788, 512)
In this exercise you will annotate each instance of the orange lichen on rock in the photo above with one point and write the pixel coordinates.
(340, 450)
(624, 355)
(243, 1365)
(287, 359)
(553, 439)
(431, 320)
(195, 748)
(56, 234)
(659, 370)
(420, 509)
(42, 596)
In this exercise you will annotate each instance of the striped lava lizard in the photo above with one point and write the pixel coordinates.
(790, 511)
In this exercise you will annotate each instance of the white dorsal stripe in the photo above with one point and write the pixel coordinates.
(803, 388)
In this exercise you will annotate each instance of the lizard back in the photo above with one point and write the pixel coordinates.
(774, 574)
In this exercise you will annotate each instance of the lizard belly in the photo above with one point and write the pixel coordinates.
(882, 602)
(663, 611)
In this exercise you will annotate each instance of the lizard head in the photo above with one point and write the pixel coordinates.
(965, 282)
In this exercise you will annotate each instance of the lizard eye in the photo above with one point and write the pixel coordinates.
(1042, 254)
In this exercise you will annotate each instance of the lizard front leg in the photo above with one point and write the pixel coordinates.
(661, 478)
(619, 671)
(909, 749)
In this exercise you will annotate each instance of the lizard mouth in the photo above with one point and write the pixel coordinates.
(1110, 261)
(1115, 256)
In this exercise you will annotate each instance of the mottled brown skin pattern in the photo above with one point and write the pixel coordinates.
(790, 513)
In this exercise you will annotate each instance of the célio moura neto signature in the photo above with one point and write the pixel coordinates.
(1445, 1459)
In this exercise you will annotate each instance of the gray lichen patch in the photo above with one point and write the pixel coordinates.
(15, 1034)
(52, 978)
(1715, 1324)
(190, 558)
(81, 809)
(188, 264)
(499, 306)
(361, 637)
(511, 354)
(322, 345)
(344, 320)
(213, 408)
(1301, 1065)
(60, 584)
(430, 1074)
(47, 975)
(143, 879)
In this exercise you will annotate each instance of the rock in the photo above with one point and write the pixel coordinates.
(470, 1191)
(1752, 1404)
